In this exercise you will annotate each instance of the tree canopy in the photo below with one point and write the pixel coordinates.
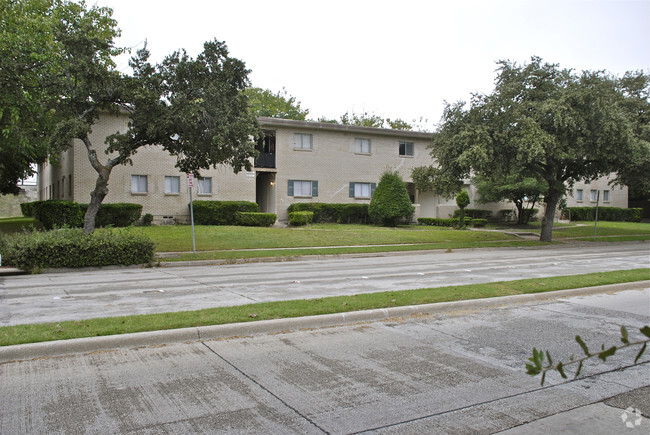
(195, 109)
(263, 102)
(547, 123)
(366, 119)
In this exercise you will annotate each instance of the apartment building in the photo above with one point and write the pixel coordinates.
(299, 161)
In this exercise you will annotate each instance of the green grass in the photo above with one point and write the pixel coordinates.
(20, 334)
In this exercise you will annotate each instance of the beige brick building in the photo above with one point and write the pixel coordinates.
(299, 161)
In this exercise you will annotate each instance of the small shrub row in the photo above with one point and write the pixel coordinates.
(334, 213)
(72, 248)
(613, 214)
(300, 218)
(221, 212)
(452, 222)
(253, 219)
(57, 214)
(474, 213)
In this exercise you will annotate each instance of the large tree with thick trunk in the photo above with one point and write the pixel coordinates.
(546, 123)
(66, 79)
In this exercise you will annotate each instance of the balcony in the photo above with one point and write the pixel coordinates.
(265, 160)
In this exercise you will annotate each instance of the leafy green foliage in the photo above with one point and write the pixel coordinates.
(523, 191)
(72, 248)
(462, 201)
(366, 119)
(613, 214)
(301, 218)
(479, 223)
(147, 219)
(56, 214)
(391, 203)
(121, 214)
(253, 219)
(542, 363)
(221, 212)
(334, 213)
(263, 102)
(545, 123)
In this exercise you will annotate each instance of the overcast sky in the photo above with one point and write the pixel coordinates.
(399, 58)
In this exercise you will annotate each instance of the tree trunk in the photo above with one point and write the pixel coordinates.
(551, 200)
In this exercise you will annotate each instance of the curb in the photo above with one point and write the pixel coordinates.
(29, 351)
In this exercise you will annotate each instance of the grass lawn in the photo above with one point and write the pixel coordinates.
(32, 333)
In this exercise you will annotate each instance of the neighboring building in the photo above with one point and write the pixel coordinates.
(299, 161)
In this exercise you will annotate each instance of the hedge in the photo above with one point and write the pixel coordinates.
(221, 212)
(253, 219)
(73, 248)
(479, 223)
(614, 214)
(447, 222)
(299, 218)
(474, 213)
(333, 213)
(121, 214)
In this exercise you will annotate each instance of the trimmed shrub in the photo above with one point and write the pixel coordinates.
(121, 214)
(221, 212)
(55, 214)
(300, 218)
(438, 222)
(479, 223)
(147, 219)
(391, 203)
(333, 213)
(27, 208)
(613, 214)
(253, 219)
(72, 248)
(475, 213)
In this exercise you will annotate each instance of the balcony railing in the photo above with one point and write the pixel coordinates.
(265, 160)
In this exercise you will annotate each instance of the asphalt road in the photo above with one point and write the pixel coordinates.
(454, 372)
(75, 295)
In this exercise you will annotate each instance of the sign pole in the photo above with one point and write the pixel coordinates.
(596, 219)
(190, 184)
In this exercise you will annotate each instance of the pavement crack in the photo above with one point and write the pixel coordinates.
(283, 402)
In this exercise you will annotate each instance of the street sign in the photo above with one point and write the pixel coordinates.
(190, 180)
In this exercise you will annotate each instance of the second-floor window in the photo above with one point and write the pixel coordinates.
(406, 149)
(362, 146)
(302, 141)
(172, 185)
(138, 184)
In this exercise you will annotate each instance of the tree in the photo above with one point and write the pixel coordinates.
(194, 109)
(523, 191)
(390, 203)
(543, 122)
(264, 102)
(27, 48)
(462, 201)
(369, 120)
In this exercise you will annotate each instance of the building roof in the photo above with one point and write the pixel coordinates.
(266, 122)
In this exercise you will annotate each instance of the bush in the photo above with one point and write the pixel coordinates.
(72, 248)
(221, 212)
(614, 214)
(300, 218)
(54, 214)
(27, 208)
(252, 219)
(121, 214)
(475, 213)
(438, 222)
(333, 213)
(479, 223)
(147, 219)
(391, 203)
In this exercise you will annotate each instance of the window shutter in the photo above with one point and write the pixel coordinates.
(290, 193)
(314, 188)
(373, 186)
(351, 190)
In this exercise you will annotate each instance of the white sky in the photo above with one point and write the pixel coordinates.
(399, 58)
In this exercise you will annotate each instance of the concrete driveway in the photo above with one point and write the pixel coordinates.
(460, 371)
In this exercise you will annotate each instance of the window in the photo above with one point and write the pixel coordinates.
(593, 195)
(138, 184)
(172, 185)
(362, 190)
(406, 149)
(70, 185)
(579, 195)
(362, 146)
(605, 195)
(303, 188)
(302, 141)
(205, 185)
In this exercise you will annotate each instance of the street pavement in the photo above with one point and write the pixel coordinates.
(458, 370)
(76, 295)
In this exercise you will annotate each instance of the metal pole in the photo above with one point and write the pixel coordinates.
(192, 218)
(596, 220)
